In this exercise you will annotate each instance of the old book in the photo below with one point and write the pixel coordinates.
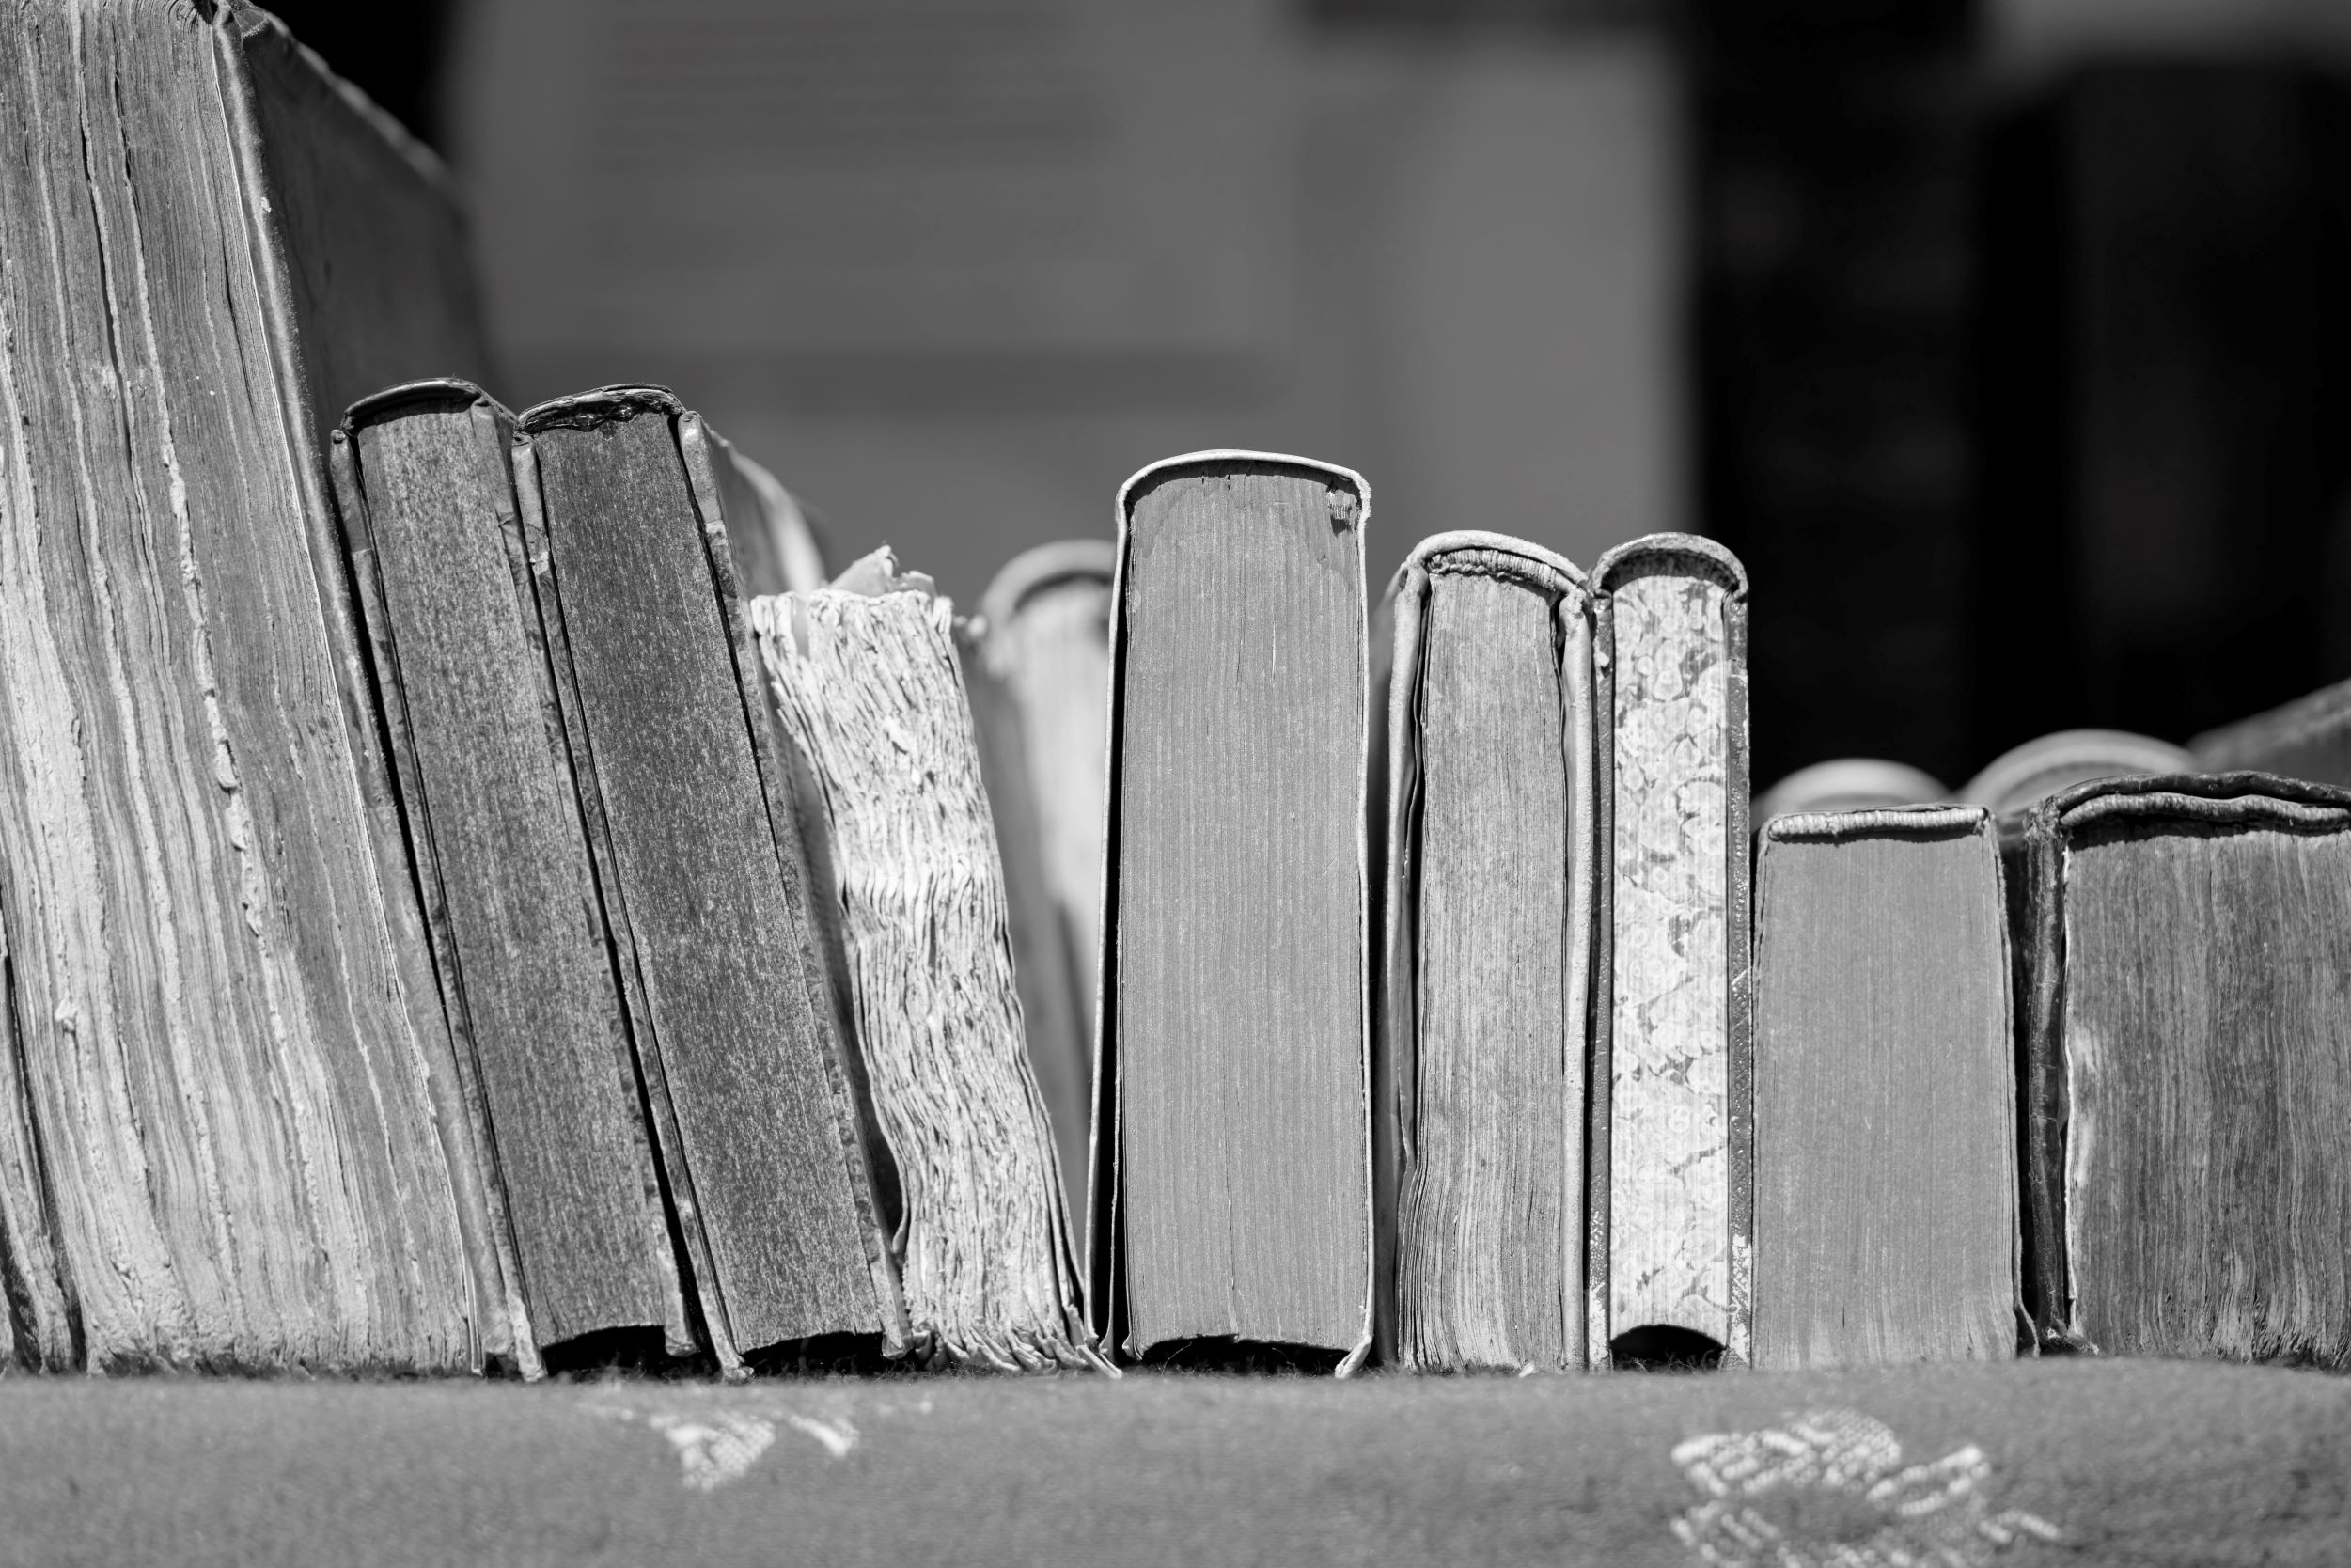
(1037, 669)
(2013, 782)
(251, 1148)
(1885, 1194)
(1671, 1139)
(2308, 738)
(697, 855)
(1482, 1033)
(424, 488)
(1233, 1188)
(866, 674)
(2188, 1077)
(1848, 784)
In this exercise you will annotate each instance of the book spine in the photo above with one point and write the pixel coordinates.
(531, 514)
(833, 1047)
(1695, 560)
(1578, 708)
(1396, 745)
(411, 949)
(1739, 935)
(1600, 1122)
(425, 877)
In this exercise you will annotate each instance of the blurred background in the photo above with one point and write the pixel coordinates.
(2008, 342)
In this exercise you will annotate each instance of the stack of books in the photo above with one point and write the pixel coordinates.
(476, 895)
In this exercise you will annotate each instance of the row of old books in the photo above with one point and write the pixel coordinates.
(473, 893)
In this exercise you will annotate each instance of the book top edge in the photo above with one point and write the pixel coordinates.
(1231, 456)
(1711, 559)
(2240, 799)
(442, 392)
(1043, 566)
(1817, 826)
(587, 410)
(1520, 558)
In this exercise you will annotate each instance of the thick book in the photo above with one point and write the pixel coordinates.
(1232, 1195)
(866, 678)
(2308, 738)
(1482, 1026)
(1671, 1139)
(239, 1138)
(424, 484)
(1037, 669)
(1886, 1187)
(2188, 1066)
(695, 844)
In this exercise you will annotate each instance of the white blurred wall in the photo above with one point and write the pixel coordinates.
(1453, 261)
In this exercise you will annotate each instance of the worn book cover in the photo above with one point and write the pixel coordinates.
(2187, 1066)
(697, 847)
(867, 681)
(249, 1141)
(424, 489)
(1482, 1041)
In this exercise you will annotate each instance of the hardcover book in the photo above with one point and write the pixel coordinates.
(1037, 669)
(238, 1139)
(1232, 1185)
(425, 487)
(2187, 1066)
(1482, 1025)
(1885, 1191)
(1671, 1139)
(697, 851)
(867, 679)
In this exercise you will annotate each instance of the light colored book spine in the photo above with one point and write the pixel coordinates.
(1672, 1137)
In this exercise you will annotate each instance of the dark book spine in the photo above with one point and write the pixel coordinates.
(854, 1122)
(677, 1177)
(697, 857)
(365, 586)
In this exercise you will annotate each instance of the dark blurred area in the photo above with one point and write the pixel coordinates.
(2007, 343)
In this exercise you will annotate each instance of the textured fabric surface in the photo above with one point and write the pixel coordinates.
(2079, 1462)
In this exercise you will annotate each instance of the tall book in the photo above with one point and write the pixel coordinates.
(1885, 1191)
(697, 850)
(866, 678)
(1037, 669)
(248, 1145)
(1482, 1026)
(425, 487)
(1672, 1129)
(1232, 1185)
(2187, 1066)
(2308, 738)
